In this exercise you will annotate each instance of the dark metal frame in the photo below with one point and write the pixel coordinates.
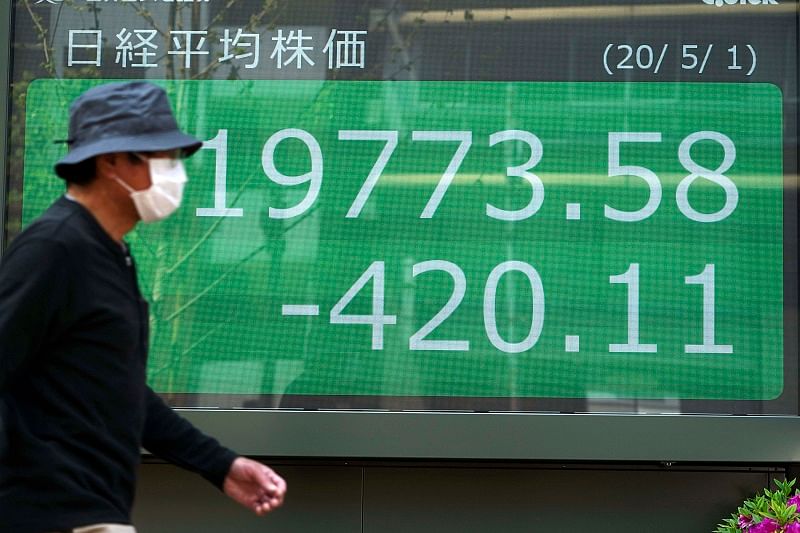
(471, 436)
(505, 436)
(5, 91)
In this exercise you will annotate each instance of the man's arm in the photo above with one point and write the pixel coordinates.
(173, 438)
(33, 289)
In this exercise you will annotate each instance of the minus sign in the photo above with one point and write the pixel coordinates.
(300, 310)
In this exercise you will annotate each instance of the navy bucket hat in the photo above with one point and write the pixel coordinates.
(122, 117)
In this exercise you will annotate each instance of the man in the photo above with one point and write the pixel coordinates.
(74, 405)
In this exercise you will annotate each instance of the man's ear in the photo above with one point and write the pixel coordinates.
(106, 165)
(113, 164)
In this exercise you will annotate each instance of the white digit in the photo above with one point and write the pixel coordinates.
(706, 279)
(644, 65)
(521, 171)
(716, 176)
(631, 278)
(220, 145)
(734, 63)
(615, 169)
(629, 49)
(313, 176)
(465, 139)
(390, 137)
(418, 340)
(689, 54)
(489, 307)
(377, 319)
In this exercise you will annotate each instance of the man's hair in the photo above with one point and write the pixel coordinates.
(85, 172)
(81, 173)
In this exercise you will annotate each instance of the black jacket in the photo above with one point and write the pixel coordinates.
(74, 403)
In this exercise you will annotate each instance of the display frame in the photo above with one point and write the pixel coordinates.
(474, 435)
(6, 36)
(505, 436)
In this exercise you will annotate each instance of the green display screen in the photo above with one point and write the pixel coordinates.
(461, 239)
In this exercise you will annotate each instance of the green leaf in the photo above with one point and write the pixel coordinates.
(768, 504)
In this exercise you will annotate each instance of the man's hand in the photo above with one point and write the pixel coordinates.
(254, 485)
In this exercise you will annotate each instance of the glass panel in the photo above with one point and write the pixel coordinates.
(439, 205)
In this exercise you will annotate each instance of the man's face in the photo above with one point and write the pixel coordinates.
(130, 169)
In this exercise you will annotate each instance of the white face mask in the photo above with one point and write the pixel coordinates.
(164, 195)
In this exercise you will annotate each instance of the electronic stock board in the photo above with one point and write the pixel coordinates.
(572, 206)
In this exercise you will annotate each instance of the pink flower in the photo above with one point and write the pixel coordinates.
(768, 525)
(794, 500)
(794, 527)
(745, 521)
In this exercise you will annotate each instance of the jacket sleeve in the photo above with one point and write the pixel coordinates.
(174, 439)
(33, 291)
